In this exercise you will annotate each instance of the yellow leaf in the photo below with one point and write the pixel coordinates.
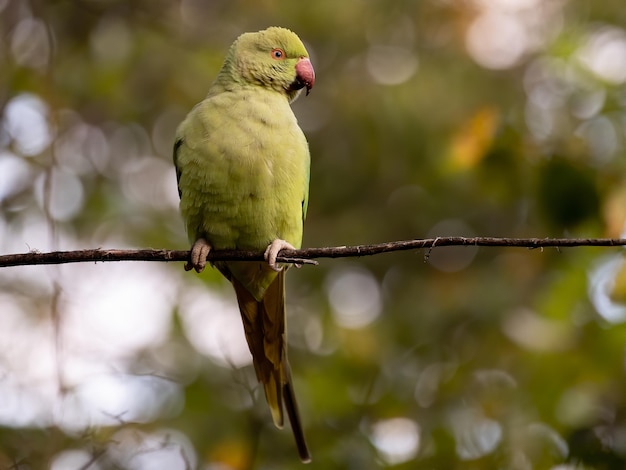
(474, 139)
(234, 454)
(614, 211)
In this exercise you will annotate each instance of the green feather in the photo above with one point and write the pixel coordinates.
(242, 165)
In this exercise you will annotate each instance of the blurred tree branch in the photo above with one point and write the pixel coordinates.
(303, 256)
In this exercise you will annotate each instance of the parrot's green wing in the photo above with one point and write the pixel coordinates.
(242, 164)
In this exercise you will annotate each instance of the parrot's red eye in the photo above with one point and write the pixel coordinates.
(278, 54)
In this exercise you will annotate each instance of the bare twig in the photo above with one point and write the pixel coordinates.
(303, 256)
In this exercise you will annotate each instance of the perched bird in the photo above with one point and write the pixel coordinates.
(242, 164)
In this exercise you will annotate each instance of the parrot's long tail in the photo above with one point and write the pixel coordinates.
(264, 325)
(294, 419)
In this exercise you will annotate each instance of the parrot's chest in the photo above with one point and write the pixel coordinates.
(267, 160)
(254, 178)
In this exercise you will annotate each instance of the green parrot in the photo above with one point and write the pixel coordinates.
(242, 164)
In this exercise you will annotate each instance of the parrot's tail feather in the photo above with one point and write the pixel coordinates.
(264, 325)
(274, 397)
(294, 419)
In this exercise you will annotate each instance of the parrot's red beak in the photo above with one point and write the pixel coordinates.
(305, 75)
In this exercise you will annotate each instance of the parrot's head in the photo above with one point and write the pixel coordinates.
(274, 58)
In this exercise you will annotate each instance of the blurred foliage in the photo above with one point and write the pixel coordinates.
(431, 118)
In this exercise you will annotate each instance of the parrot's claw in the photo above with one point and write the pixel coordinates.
(272, 250)
(199, 252)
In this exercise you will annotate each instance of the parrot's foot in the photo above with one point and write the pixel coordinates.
(197, 259)
(272, 250)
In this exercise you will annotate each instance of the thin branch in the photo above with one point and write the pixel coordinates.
(304, 256)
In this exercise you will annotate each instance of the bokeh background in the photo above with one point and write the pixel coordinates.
(428, 118)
